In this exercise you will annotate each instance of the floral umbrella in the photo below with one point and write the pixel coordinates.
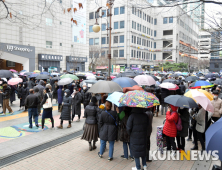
(139, 98)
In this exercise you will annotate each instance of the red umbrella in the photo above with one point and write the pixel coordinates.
(15, 81)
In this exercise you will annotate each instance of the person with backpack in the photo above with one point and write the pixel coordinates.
(170, 127)
(184, 116)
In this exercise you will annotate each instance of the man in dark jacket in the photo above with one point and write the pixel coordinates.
(86, 96)
(164, 93)
(6, 96)
(36, 92)
(137, 128)
(32, 102)
(108, 124)
(76, 104)
(31, 83)
(41, 87)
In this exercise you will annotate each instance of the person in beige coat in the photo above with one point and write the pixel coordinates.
(217, 103)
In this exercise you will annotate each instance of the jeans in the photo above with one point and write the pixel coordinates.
(103, 146)
(33, 112)
(125, 149)
(137, 160)
(163, 109)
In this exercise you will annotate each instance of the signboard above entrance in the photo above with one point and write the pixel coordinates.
(50, 57)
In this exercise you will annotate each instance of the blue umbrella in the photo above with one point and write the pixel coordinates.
(125, 82)
(114, 98)
(214, 138)
(46, 73)
(33, 75)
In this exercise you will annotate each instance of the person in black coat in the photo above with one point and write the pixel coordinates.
(31, 83)
(66, 109)
(157, 93)
(182, 88)
(19, 93)
(86, 96)
(149, 131)
(55, 88)
(25, 93)
(164, 93)
(137, 128)
(12, 94)
(36, 92)
(108, 125)
(184, 115)
(91, 124)
(76, 104)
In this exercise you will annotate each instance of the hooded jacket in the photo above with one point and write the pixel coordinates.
(170, 128)
(31, 84)
(66, 108)
(41, 88)
(25, 93)
(19, 90)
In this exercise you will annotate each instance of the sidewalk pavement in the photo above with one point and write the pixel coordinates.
(75, 154)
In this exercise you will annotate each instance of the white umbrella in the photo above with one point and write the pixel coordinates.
(65, 81)
(169, 86)
(145, 80)
(91, 77)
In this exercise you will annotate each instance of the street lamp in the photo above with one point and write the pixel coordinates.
(96, 29)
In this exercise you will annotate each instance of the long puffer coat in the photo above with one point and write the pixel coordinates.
(137, 126)
(60, 94)
(164, 94)
(185, 116)
(55, 88)
(19, 90)
(170, 128)
(25, 93)
(86, 96)
(12, 94)
(76, 104)
(107, 126)
(66, 109)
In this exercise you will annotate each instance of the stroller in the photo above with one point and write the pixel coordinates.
(160, 139)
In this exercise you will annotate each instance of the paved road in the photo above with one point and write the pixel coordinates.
(75, 155)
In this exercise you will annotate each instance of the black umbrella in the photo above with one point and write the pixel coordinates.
(99, 77)
(171, 81)
(180, 101)
(28, 73)
(128, 74)
(81, 76)
(174, 75)
(218, 82)
(210, 75)
(191, 78)
(42, 76)
(56, 78)
(5, 74)
(155, 78)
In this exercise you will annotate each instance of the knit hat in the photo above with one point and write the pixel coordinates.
(94, 99)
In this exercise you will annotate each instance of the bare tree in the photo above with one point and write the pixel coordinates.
(96, 57)
(203, 64)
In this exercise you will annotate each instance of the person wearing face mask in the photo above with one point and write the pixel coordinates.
(217, 104)
(25, 93)
(184, 115)
(85, 96)
(6, 96)
(76, 104)
(19, 93)
(66, 109)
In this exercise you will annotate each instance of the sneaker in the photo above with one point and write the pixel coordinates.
(100, 156)
(37, 125)
(189, 139)
(110, 159)
(30, 127)
(134, 168)
(132, 158)
(145, 168)
(20, 109)
(2, 114)
(122, 156)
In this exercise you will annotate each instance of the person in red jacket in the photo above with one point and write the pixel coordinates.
(170, 129)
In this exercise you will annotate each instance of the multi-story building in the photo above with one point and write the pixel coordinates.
(204, 45)
(144, 37)
(40, 35)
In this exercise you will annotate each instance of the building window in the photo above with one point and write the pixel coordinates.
(115, 39)
(151, 20)
(10, 64)
(155, 21)
(132, 53)
(168, 32)
(103, 27)
(140, 14)
(216, 65)
(116, 11)
(96, 15)
(122, 24)
(91, 15)
(121, 39)
(154, 56)
(151, 44)
(91, 28)
(132, 10)
(107, 40)
(121, 53)
(71, 46)
(96, 41)
(60, 44)
(134, 39)
(132, 24)
(165, 20)
(171, 20)
(151, 32)
(48, 44)
(60, 22)
(103, 13)
(49, 21)
(103, 40)
(154, 45)
(116, 25)
(138, 27)
(91, 41)
(122, 10)
(115, 53)
(154, 33)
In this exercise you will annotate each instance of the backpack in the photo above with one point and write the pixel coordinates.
(178, 124)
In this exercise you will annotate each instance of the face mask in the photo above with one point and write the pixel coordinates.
(23, 85)
(74, 91)
(65, 94)
(84, 88)
(215, 97)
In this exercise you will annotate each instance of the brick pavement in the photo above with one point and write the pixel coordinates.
(75, 155)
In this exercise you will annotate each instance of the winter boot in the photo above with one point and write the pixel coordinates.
(94, 145)
(90, 146)
(69, 126)
(60, 127)
(78, 120)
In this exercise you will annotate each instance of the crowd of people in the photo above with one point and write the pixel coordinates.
(109, 123)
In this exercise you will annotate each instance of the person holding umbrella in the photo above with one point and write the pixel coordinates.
(217, 104)
(6, 96)
(76, 104)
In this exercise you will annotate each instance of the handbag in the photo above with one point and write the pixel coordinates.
(48, 103)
